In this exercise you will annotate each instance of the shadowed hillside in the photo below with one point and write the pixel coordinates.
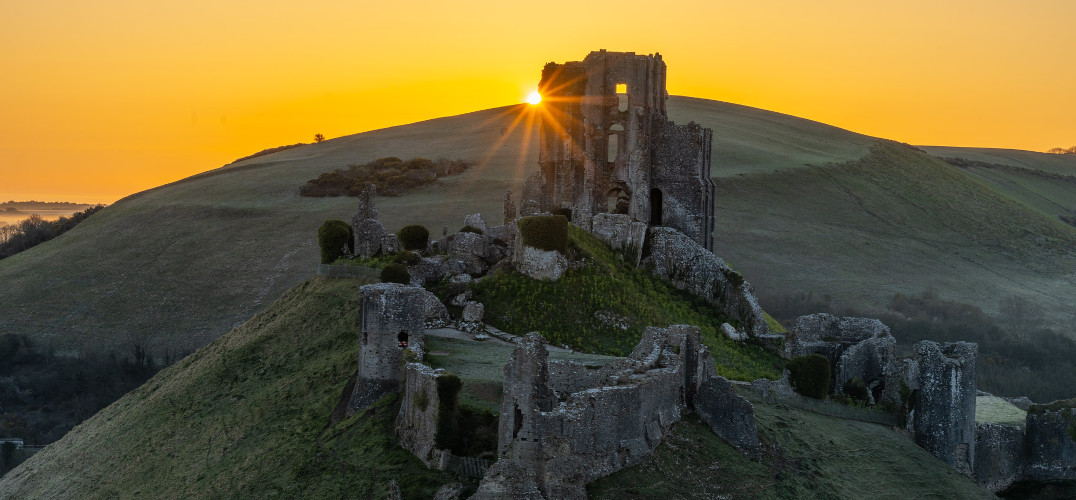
(249, 417)
(175, 267)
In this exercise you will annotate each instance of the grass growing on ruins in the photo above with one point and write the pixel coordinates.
(996, 410)
(604, 306)
(804, 455)
(242, 417)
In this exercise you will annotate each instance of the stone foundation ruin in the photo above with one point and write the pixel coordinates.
(571, 423)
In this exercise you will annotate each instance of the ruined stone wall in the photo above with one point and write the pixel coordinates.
(604, 151)
(682, 181)
(855, 347)
(571, 424)
(1051, 441)
(999, 455)
(943, 417)
(392, 322)
(416, 424)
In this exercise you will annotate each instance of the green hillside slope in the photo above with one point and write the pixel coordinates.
(248, 417)
(240, 418)
(177, 266)
(896, 221)
(173, 268)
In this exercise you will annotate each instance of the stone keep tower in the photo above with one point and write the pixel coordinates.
(607, 146)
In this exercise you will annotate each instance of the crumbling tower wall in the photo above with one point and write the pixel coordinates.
(943, 418)
(393, 322)
(607, 146)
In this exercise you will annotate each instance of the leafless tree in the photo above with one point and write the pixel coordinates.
(1020, 316)
(319, 137)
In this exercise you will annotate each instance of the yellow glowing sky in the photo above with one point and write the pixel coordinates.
(101, 99)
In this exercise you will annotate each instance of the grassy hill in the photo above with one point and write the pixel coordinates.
(802, 206)
(249, 417)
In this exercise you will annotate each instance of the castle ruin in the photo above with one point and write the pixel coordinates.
(607, 146)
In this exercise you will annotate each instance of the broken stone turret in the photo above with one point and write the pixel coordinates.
(855, 347)
(393, 323)
(942, 417)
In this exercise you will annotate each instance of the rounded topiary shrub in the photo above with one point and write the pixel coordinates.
(395, 273)
(855, 389)
(413, 237)
(406, 258)
(545, 232)
(336, 239)
(809, 375)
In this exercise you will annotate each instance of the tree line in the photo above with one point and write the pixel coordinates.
(1063, 151)
(35, 230)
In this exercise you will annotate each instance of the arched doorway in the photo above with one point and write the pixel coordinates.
(401, 339)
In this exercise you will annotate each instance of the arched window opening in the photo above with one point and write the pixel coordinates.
(655, 207)
(614, 147)
(401, 339)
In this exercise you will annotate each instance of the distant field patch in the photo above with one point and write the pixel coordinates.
(390, 175)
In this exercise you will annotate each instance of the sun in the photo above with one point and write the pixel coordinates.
(534, 97)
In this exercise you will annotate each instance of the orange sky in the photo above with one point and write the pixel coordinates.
(102, 99)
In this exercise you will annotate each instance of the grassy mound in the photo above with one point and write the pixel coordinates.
(247, 416)
(604, 306)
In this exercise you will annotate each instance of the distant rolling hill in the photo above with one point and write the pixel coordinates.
(801, 206)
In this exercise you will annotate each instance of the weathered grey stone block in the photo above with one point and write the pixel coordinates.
(473, 311)
(540, 264)
(999, 455)
(621, 233)
(728, 414)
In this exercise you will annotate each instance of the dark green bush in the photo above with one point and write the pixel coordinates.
(406, 258)
(856, 389)
(565, 211)
(414, 237)
(470, 229)
(334, 236)
(810, 375)
(545, 232)
(395, 273)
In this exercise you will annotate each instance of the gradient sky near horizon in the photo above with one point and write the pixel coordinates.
(102, 99)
